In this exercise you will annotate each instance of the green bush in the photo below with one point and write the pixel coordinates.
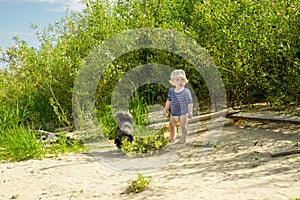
(145, 145)
(255, 45)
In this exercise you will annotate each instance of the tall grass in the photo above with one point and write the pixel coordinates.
(139, 109)
(12, 116)
(19, 142)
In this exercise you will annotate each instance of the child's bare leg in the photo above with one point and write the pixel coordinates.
(184, 130)
(172, 128)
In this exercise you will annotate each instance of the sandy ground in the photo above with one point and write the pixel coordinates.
(238, 167)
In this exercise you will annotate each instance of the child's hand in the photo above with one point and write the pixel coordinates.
(165, 114)
(190, 115)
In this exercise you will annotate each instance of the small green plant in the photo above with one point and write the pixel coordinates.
(138, 185)
(146, 144)
(209, 145)
(64, 144)
(73, 194)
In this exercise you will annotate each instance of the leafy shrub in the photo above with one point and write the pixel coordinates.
(64, 144)
(146, 144)
(255, 45)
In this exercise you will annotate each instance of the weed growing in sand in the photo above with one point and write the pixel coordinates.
(209, 145)
(16, 141)
(138, 185)
(19, 143)
(146, 144)
(63, 145)
(73, 194)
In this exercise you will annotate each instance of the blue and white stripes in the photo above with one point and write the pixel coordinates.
(179, 101)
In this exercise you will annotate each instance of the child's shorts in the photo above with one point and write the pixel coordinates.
(177, 119)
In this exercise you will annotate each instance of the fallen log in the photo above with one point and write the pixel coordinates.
(46, 135)
(54, 137)
(198, 118)
(265, 118)
(285, 152)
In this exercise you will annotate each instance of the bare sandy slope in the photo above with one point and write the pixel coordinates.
(238, 167)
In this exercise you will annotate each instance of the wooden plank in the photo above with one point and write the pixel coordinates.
(265, 118)
(198, 118)
(285, 152)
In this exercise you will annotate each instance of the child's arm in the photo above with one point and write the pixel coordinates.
(190, 109)
(167, 107)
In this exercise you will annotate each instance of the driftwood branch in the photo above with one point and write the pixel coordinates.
(265, 118)
(53, 137)
(46, 134)
(286, 152)
(199, 118)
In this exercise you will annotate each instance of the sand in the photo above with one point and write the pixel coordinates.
(239, 166)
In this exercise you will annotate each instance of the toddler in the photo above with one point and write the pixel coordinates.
(181, 104)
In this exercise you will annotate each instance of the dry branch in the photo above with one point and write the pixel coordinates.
(285, 152)
(265, 118)
(199, 118)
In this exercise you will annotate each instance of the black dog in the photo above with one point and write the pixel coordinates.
(124, 127)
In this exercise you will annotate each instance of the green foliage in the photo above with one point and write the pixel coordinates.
(19, 143)
(139, 109)
(107, 122)
(59, 112)
(138, 185)
(255, 44)
(63, 144)
(13, 116)
(145, 145)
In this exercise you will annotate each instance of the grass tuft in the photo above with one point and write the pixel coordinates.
(138, 185)
(19, 143)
